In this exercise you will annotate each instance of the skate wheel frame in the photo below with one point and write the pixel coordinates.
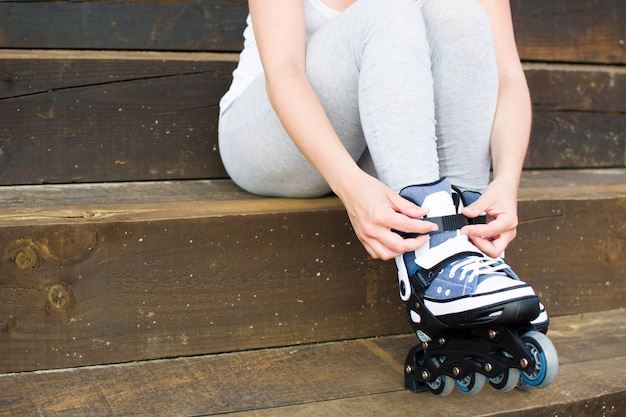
(438, 369)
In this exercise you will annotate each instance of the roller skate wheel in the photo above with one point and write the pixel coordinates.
(506, 381)
(472, 383)
(441, 386)
(546, 362)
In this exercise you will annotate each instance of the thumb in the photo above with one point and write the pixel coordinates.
(406, 207)
(475, 209)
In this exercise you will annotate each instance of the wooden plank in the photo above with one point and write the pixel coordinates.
(361, 377)
(571, 139)
(111, 118)
(145, 278)
(546, 31)
(576, 184)
(23, 200)
(579, 116)
(599, 393)
(207, 385)
(572, 253)
(88, 292)
(154, 115)
(186, 25)
(24, 205)
(40, 71)
(611, 404)
(571, 30)
(583, 88)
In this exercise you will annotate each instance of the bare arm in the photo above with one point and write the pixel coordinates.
(373, 208)
(509, 139)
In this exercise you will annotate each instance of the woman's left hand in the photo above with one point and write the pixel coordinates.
(499, 201)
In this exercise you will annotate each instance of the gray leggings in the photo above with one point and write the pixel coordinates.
(413, 83)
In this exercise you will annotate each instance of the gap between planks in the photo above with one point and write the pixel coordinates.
(117, 55)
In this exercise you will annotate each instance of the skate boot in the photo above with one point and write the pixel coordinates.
(463, 199)
(471, 313)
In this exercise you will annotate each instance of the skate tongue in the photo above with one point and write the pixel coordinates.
(450, 248)
(439, 204)
(437, 198)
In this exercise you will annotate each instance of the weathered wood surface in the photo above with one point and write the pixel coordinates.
(117, 289)
(125, 116)
(148, 273)
(175, 25)
(111, 117)
(571, 31)
(579, 116)
(359, 377)
(558, 30)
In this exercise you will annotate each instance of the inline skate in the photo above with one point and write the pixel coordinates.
(476, 321)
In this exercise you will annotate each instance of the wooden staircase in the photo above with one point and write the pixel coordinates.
(137, 279)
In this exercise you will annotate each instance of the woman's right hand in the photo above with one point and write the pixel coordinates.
(375, 211)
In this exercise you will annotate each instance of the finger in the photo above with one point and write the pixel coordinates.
(407, 217)
(472, 211)
(411, 244)
(375, 249)
(493, 247)
(491, 229)
(479, 230)
(411, 228)
(487, 246)
(477, 208)
(406, 207)
(392, 246)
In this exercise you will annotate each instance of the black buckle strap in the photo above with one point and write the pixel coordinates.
(448, 223)
(454, 222)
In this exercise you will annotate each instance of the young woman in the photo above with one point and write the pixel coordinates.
(388, 104)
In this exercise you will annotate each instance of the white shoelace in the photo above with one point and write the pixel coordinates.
(474, 266)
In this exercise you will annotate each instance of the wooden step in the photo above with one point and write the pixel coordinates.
(203, 25)
(579, 116)
(566, 30)
(554, 31)
(93, 116)
(359, 377)
(108, 273)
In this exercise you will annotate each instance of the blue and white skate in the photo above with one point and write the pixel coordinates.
(473, 315)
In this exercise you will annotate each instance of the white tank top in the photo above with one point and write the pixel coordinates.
(316, 14)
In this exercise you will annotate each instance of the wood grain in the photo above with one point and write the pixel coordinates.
(187, 25)
(338, 379)
(579, 116)
(146, 279)
(72, 117)
(571, 31)
(546, 31)
(98, 119)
